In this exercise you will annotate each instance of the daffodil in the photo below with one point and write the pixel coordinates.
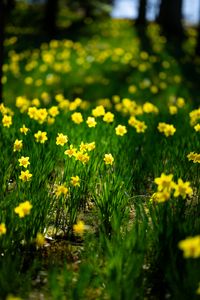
(108, 159)
(75, 180)
(91, 122)
(190, 247)
(24, 161)
(81, 156)
(71, 151)
(18, 144)
(25, 175)
(197, 127)
(61, 190)
(164, 182)
(182, 189)
(7, 121)
(120, 130)
(61, 139)
(98, 111)
(23, 209)
(77, 118)
(24, 129)
(79, 227)
(41, 137)
(2, 229)
(108, 117)
(40, 240)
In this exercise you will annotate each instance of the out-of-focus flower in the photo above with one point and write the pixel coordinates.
(23, 209)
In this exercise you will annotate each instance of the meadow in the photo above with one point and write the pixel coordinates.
(99, 168)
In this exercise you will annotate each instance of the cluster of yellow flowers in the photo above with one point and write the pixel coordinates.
(166, 186)
(25, 175)
(175, 104)
(48, 115)
(190, 247)
(167, 129)
(195, 157)
(40, 115)
(82, 153)
(127, 106)
(148, 107)
(98, 111)
(23, 160)
(62, 190)
(7, 114)
(138, 125)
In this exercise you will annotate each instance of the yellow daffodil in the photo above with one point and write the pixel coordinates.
(71, 151)
(61, 139)
(7, 121)
(25, 175)
(79, 227)
(182, 189)
(77, 118)
(40, 240)
(61, 190)
(24, 161)
(24, 129)
(75, 180)
(2, 229)
(108, 117)
(164, 182)
(197, 127)
(91, 122)
(41, 137)
(120, 130)
(108, 159)
(190, 247)
(18, 144)
(23, 209)
(98, 111)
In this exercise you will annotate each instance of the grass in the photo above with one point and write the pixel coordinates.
(127, 245)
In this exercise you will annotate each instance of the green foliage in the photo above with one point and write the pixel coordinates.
(106, 237)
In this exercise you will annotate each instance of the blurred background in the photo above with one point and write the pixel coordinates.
(30, 23)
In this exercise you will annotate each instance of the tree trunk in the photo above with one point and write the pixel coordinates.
(198, 43)
(170, 16)
(141, 20)
(51, 9)
(2, 27)
(198, 39)
(10, 4)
